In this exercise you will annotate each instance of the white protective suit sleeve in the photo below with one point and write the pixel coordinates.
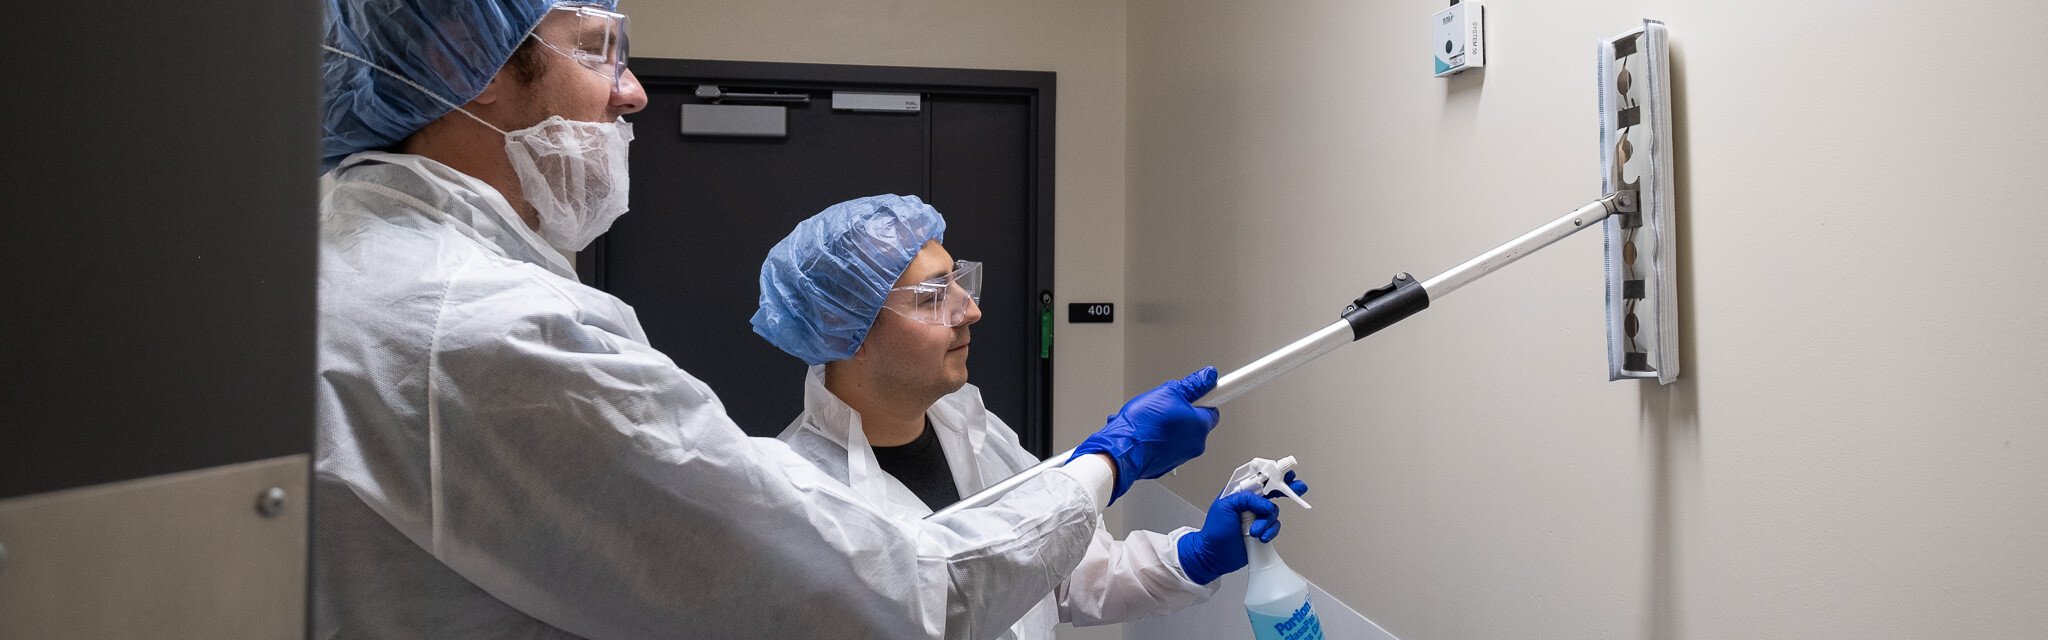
(581, 477)
(1137, 577)
(1118, 580)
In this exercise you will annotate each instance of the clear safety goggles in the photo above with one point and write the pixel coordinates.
(943, 301)
(596, 38)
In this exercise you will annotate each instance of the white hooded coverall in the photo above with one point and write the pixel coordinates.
(1117, 581)
(502, 455)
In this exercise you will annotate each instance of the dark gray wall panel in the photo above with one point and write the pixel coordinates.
(159, 220)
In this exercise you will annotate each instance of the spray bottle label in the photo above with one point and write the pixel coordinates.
(1300, 625)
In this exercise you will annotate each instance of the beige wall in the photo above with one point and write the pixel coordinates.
(1859, 447)
(1081, 40)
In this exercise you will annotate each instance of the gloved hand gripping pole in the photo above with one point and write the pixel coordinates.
(1376, 310)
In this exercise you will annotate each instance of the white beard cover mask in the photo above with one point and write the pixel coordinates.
(574, 174)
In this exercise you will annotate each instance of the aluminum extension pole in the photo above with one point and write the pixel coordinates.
(1376, 310)
(1459, 276)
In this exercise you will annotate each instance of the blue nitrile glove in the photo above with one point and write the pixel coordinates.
(1219, 547)
(1155, 431)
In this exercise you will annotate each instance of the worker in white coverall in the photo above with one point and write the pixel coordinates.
(865, 293)
(503, 455)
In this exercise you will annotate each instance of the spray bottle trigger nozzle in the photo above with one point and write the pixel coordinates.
(1289, 492)
(1263, 476)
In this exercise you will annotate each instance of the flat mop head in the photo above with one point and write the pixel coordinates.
(1635, 155)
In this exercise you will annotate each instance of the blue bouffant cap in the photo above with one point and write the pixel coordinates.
(822, 286)
(450, 48)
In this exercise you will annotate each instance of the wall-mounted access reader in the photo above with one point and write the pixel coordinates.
(1460, 40)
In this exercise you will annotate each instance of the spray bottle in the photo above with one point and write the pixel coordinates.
(1277, 599)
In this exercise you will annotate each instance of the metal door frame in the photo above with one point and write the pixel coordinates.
(1037, 88)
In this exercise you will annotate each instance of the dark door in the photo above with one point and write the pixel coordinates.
(707, 208)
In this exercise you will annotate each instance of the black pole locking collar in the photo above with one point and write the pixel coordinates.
(1382, 307)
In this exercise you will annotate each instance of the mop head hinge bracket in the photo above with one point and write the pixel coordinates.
(1623, 203)
(1390, 303)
